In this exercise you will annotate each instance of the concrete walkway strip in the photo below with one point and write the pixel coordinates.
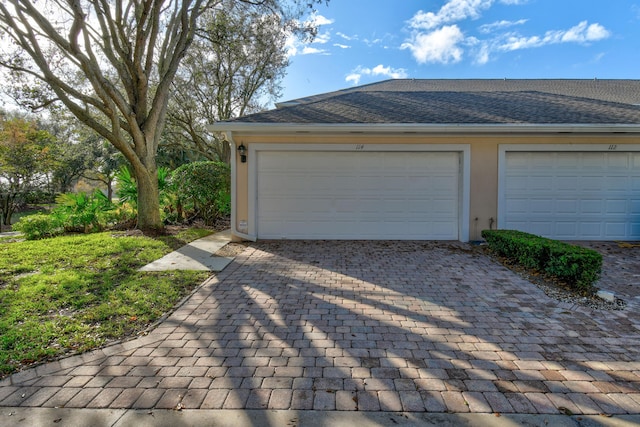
(64, 417)
(197, 255)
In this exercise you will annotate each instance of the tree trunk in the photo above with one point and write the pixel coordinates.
(148, 200)
(3, 211)
(109, 183)
(7, 209)
(225, 152)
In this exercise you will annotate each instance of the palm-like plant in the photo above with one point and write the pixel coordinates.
(127, 189)
(82, 211)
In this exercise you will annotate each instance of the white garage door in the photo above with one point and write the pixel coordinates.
(357, 195)
(573, 195)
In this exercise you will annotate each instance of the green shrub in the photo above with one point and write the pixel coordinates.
(202, 190)
(39, 226)
(223, 203)
(577, 266)
(83, 212)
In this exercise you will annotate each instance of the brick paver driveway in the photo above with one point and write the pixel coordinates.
(381, 326)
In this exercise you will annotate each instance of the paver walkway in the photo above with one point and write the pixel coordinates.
(375, 326)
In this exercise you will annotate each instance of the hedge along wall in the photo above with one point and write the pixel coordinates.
(579, 267)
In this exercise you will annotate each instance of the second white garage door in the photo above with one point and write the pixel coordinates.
(573, 195)
(358, 195)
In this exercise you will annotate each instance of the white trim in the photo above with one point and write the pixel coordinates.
(502, 159)
(234, 192)
(465, 171)
(357, 147)
(502, 148)
(425, 128)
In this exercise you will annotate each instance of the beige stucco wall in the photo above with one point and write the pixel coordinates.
(484, 157)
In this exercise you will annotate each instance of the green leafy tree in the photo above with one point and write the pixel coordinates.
(235, 66)
(112, 65)
(25, 162)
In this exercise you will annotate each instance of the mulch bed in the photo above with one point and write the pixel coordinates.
(555, 288)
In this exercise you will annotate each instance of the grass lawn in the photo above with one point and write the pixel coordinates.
(74, 293)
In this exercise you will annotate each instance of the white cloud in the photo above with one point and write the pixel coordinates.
(500, 25)
(308, 50)
(342, 46)
(584, 33)
(353, 78)
(372, 42)
(346, 37)
(483, 54)
(292, 45)
(318, 20)
(452, 11)
(581, 33)
(436, 38)
(379, 70)
(322, 38)
(439, 46)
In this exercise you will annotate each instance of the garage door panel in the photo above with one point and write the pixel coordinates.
(541, 227)
(364, 195)
(594, 161)
(617, 160)
(566, 183)
(564, 228)
(616, 207)
(590, 230)
(567, 207)
(573, 195)
(618, 229)
(540, 206)
(592, 207)
(615, 183)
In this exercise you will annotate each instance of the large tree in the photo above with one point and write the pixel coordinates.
(235, 66)
(111, 63)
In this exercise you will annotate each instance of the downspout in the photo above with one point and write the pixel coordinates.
(234, 196)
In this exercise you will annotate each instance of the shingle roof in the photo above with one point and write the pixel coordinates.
(466, 102)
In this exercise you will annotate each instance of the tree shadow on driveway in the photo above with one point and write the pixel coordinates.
(368, 326)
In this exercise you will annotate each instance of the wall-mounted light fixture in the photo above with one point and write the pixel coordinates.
(242, 150)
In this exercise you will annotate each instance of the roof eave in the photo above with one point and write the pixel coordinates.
(419, 128)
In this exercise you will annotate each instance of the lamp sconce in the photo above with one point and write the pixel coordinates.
(242, 150)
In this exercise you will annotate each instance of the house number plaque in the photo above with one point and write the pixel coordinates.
(359, 147)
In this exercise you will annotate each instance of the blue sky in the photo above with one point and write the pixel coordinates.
(362, 41)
